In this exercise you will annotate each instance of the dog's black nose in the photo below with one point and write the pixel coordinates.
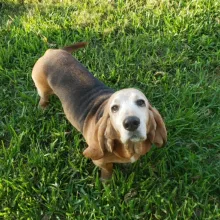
(131, 123)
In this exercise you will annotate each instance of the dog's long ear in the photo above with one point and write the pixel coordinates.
(110, 136)
(99, 136)
(157, 132)
(94, 135)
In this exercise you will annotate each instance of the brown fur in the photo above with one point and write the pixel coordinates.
(104, 145)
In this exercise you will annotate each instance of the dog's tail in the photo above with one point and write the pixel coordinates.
(74, 47)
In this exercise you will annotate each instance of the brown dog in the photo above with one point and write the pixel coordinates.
(118, 127)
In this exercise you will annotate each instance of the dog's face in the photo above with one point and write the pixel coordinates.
(128, 120)
(128, 111)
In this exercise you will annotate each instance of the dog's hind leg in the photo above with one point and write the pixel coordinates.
(41, 83)
(44, 98)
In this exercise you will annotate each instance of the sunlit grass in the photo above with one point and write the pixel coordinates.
(169, 50)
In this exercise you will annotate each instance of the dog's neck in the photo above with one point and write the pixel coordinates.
(124, 150)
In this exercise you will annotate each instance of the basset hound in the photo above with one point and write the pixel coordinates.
(118, 126)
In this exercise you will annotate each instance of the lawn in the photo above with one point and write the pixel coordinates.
(168, 49)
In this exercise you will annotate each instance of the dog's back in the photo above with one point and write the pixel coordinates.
(60, 73)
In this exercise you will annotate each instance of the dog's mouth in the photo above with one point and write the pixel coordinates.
(133, 137)
(136, 137)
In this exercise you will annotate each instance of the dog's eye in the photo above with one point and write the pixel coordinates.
(140, 102)
(114, 108)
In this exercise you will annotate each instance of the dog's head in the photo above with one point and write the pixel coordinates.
(128, 119)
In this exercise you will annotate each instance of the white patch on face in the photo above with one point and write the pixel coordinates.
(126, 106)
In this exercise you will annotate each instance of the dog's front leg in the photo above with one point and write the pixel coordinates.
(106, 169)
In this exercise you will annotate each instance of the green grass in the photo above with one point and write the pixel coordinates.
(168, 49)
